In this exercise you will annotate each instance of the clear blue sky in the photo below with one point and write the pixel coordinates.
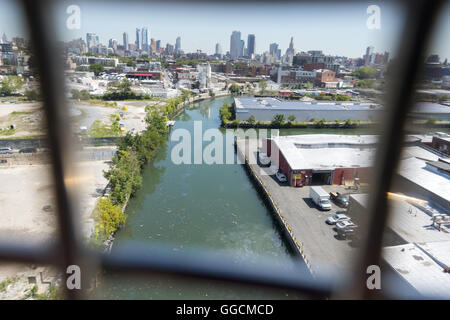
(334, 28)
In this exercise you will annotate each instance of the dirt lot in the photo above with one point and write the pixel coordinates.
(24, 191)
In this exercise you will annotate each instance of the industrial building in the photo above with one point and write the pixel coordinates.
(322, 158)
(264, 109)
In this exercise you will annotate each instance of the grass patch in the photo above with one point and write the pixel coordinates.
(20, 113)
(7, 282)
(53, 293)
(98, 129)
(7, 132)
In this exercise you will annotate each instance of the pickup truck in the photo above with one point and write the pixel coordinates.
(339, 198)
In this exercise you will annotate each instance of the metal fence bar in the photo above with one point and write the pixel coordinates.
(138, 259)
(421, 16)
(49, 63)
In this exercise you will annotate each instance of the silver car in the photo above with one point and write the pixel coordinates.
(337, 218)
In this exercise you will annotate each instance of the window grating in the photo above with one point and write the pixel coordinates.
(138, 258)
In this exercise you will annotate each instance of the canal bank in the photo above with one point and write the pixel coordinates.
(303, 224)
(204, 206)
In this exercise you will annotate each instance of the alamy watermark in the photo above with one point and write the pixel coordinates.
(212, 146)
(374, 19)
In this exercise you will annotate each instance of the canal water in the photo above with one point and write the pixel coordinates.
(206, 206)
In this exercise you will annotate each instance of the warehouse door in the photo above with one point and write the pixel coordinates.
(321, 177)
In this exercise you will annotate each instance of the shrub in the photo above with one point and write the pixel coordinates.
(277, 120)
(109, 218)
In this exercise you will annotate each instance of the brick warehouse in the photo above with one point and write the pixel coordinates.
(322, 158)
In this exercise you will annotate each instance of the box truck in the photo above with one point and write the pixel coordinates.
(320, 198)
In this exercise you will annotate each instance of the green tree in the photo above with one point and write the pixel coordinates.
(234, 88)
(124, 176)
(308, 85)
(10, 85)
(263, 86)
(109, 218)
(365, 73)
(291, 118)
(277, 120)
(251, 120)
(31, 95)
(96, 69)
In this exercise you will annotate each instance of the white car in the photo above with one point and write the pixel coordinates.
(337, 218)
(264, 159)
(346, 224)
(281, 177)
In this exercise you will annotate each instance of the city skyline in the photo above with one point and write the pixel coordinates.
(309, 25)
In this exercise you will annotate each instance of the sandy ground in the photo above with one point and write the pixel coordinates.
(23, 193)
(82, 114)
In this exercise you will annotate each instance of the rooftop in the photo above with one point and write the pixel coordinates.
(421, 265)
(327, 151)
(411, 220)
(276, 104)
(415, 170)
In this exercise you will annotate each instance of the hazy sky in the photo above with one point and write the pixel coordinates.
(338, 29)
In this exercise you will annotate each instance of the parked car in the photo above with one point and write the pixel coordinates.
(5, 150)
(346, 224)
(339, 198)
(337, 218)
(320, 198)
(347, 233)
(264, 159)
(28, 150)
(281, 177)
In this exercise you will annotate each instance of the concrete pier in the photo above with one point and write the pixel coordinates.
(302, 222)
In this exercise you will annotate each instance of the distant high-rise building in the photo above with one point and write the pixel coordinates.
(158, 45)
(4, 38)
(138, 39)
(169, 49)
(125, 41)
(218, 51)
(250, 45)
(144, 43)
(235, 45)
(92, 40)
(291, 50)
(242, 49)
(274, 51)
(153, 46)
(178, 45)
(113, 44)
(368, 56)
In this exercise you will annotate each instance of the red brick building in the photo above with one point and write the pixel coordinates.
(322, 159)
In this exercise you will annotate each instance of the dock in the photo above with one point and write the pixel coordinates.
(302, 223)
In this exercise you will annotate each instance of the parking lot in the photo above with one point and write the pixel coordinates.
(321, 244)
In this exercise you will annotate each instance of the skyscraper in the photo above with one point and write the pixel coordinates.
(92, 40)
(218, 51)
(235, 44)
(274, 51)
(250, 45)
(138, 39)
(242, 49)
(153, 46)
(178, 45)
(125, 41)
(113, 44)
(158, 46)
(4, 38)
(144, 42)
